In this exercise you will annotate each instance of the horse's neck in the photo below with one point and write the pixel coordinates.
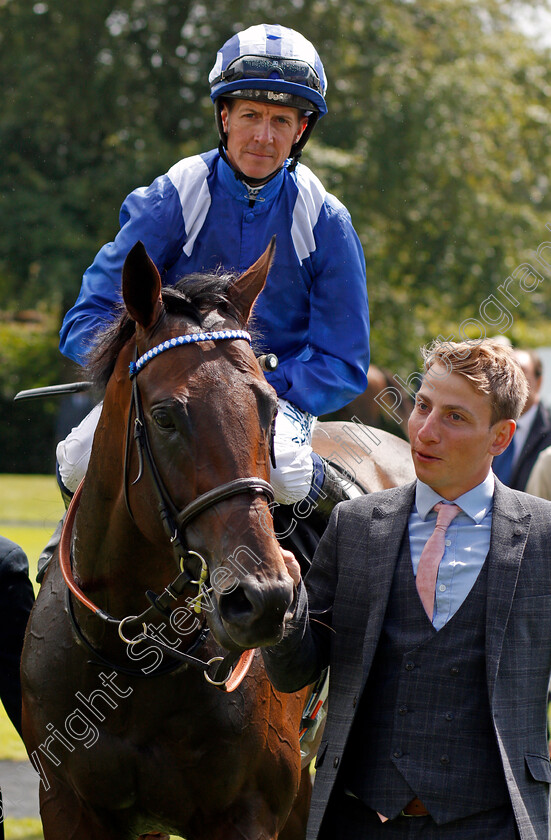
(112, 559)
(104, 537)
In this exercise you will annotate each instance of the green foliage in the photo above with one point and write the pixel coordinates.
(28, 351)
(444, 107)
(28, 359)
(438, 140)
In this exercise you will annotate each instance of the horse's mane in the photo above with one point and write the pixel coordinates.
(194, 296)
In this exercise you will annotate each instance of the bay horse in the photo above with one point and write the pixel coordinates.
(150, 714)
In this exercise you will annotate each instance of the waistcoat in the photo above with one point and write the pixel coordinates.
(424, 727)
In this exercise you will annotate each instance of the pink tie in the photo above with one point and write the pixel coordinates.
(432, 554)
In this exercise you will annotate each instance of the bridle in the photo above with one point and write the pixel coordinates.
(176, 521)
(226, 671)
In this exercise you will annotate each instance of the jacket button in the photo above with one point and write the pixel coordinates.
(403, 710)
(449, 716)
(444, 759)
(410, 665)
(397, 753)
(454, 670)
(336, 762)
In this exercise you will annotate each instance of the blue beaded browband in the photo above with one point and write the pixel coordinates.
(192, 338)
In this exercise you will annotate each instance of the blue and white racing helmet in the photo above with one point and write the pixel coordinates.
(273, 64)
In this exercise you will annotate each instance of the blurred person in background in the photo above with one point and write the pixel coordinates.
(533, 432)
(539, 481)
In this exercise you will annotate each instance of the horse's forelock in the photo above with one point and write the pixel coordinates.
(194, 296)
(198, 294)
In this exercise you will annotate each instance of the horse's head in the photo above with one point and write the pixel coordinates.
(207, 414)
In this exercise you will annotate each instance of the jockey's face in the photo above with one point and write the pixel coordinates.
(260, 135)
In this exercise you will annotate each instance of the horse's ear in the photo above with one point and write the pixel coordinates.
(246, 288)
(141, 286)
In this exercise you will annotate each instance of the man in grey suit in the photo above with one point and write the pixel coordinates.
(437, 707)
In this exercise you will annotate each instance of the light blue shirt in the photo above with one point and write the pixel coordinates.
(467, 543)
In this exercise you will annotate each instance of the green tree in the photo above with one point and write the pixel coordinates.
(438, 140)
(442, 122)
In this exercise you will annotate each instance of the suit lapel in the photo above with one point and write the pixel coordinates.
(389, 520)
(510, 526)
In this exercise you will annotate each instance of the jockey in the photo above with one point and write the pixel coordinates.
(221, 208)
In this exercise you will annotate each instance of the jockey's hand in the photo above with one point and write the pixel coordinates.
(292, 565)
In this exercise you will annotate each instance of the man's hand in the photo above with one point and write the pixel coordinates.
(292, 565)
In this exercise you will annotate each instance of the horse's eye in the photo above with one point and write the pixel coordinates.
(162, 418)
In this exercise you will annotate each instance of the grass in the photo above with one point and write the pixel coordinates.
(32, 500)
(23, 830)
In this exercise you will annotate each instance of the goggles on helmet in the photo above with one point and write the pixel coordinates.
(271, 67)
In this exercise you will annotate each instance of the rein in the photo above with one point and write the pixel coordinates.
(227, 671)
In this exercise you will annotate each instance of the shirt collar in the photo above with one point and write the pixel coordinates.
(238, 189)
(476, 503)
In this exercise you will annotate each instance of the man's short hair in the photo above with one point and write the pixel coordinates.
(490, 367)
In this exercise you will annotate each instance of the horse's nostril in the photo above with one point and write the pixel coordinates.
(261, 606)
(235, 607)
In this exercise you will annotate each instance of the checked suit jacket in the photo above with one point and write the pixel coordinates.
(339, 614)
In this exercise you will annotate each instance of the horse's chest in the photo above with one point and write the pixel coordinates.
(155, 749)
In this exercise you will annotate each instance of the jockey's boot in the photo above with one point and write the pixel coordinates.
(48, 550)
(299, 527)
(334, 488)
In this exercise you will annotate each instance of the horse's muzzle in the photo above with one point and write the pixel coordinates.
(253, 614)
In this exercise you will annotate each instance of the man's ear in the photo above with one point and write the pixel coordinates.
(503, 432)
(301, 128)
(225, 117)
